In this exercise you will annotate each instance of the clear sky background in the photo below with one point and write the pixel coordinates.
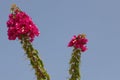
(58, 21)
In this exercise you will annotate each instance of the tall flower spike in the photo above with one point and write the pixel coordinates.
(20, 26)
(78, 42)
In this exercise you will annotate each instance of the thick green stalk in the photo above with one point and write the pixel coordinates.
(35, 60)
(74, 70)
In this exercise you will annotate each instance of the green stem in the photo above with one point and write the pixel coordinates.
(74, 70)
(35, 60)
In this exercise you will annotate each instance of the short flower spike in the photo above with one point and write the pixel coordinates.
(79, 43)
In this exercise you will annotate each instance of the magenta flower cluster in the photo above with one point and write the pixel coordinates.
(78, 42)
(20, 24)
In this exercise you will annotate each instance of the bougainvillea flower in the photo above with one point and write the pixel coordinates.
(73, 41)
(78, 42)
(20, 24)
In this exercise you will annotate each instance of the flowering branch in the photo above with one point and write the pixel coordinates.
(75, 63)
(35, 61)
(78, 42)
(20, 26)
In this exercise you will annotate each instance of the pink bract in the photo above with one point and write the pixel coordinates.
(20, 24)
(78, 42)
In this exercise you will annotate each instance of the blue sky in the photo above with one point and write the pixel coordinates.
(58, 21)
